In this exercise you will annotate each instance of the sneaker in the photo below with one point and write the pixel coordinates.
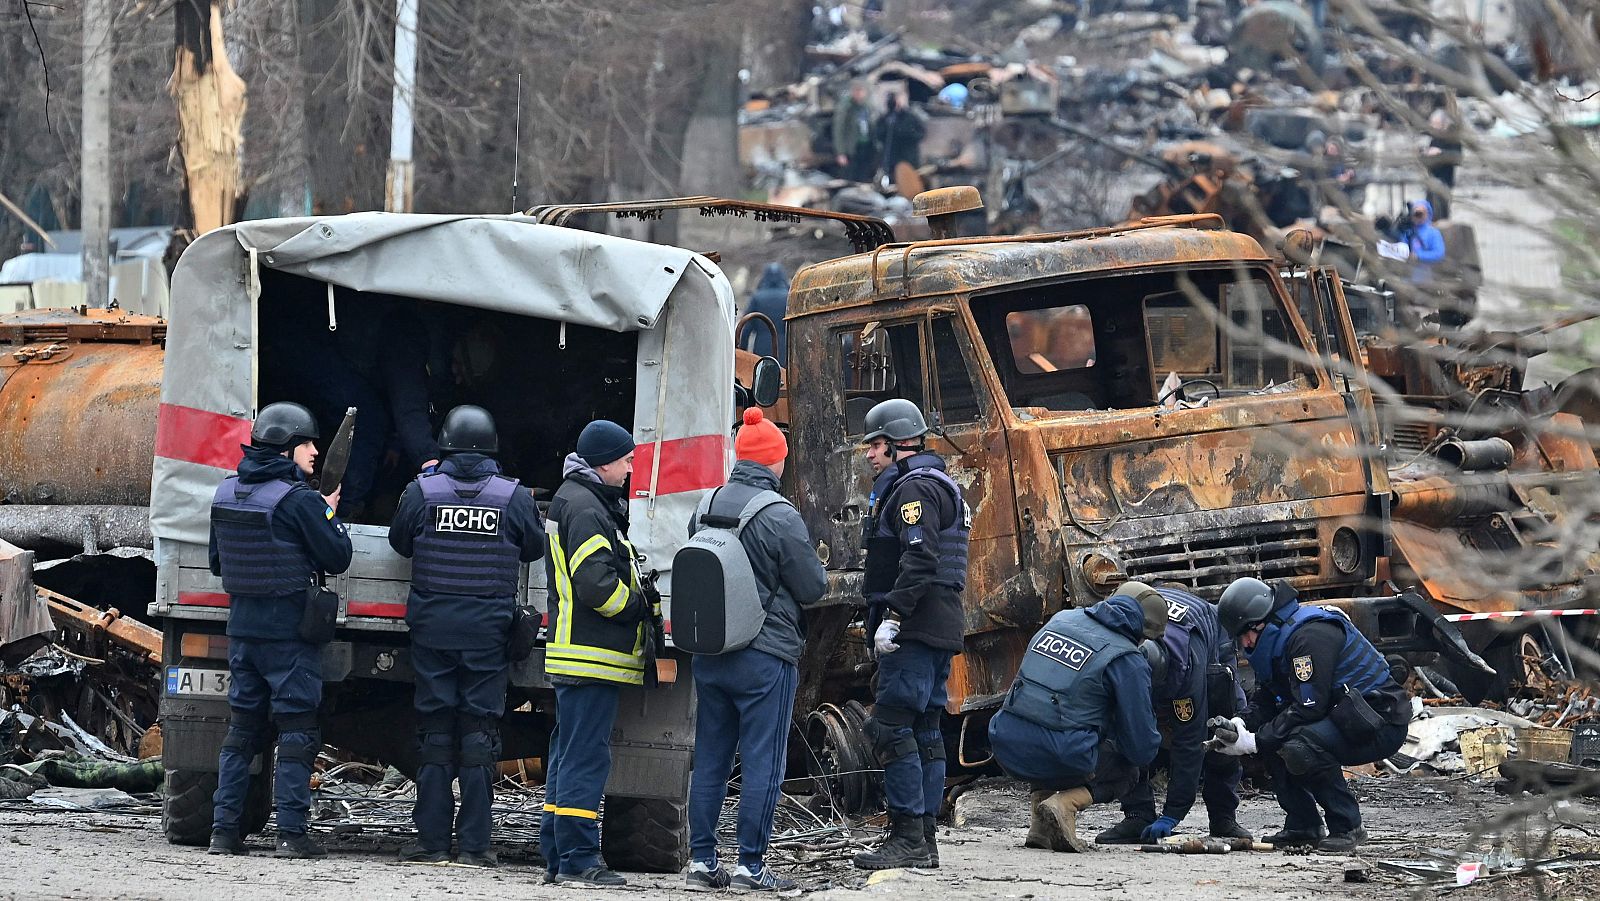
(224, 841)
(298, 845)
(594, 877)
(549, 877)
(762, 880)
(704, 878)
(483, 860)
(1342, 842)
(413, 852)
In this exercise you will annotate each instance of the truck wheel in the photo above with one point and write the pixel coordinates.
(645, 835)
(187, 809)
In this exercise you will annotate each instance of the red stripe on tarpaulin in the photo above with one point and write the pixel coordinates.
(200, 436)
(687, 464)
(203, 598)
(375, 608)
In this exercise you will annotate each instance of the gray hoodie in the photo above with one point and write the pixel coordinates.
(785, 565)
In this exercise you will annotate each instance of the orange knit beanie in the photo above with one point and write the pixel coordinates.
(759, 440)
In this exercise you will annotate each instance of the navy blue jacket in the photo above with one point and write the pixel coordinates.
(930, 612)
(1128, 681)
(302, 518)
(771, 298)
(1194, 642)
(453, 622)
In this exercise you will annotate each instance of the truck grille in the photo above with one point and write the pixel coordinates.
(1207, 561)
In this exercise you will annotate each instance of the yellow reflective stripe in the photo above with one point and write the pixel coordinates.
(574, 812)
(593, 671)
(558, 559)
(549, 808)
(595, 543)
(614, 604)
(594, 654)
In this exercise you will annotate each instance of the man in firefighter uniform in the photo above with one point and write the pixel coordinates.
(1194, 683)
(1077, 723)
(916, 569)
(467, 530)
(1325, 699)
(598, 640)
(271, 533)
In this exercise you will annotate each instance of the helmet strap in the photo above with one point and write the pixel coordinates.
(916, 448)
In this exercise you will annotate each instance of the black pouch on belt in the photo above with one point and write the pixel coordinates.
(320, 616)
(524, 629)
(1355, 717)
(1219, 690)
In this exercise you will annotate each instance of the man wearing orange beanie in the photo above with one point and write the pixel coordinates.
(746, 697)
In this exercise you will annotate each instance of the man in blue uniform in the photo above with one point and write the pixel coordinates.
(1195, 683)
(916, 569)
(1077, 723)
(597, 640)
(270, 536)
(1325, 699)
(468, 530)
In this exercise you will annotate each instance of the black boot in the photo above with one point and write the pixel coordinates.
(224, 841)
(298, 845)
(930, 837)
(1229, 828)
(1127, 832)
(1342, 842)
(905, 846)
(1284, 838)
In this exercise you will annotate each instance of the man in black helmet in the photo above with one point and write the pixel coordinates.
(1324, 699)
(916, 569)
(270, 536)
(468, 530)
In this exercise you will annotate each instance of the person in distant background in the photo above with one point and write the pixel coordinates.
(852, 134)
(771, 299)
(899, 136)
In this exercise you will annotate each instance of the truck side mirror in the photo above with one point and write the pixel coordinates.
(766, 380)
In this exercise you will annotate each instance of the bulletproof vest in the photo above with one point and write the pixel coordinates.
(1062, 683)
(883, 543)
(718, 604)
(465, 547)
(255, 563)
(1360, 665)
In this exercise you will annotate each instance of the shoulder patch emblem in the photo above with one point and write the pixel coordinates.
(1177, 612)
(911, 513)
(327, 512)
(1302, 668)
(1183, 709)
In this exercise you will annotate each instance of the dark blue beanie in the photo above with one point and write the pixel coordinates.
(603, 441)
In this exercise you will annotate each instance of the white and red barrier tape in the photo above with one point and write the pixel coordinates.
(1513, 614)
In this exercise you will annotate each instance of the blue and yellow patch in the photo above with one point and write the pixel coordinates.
(328, 513)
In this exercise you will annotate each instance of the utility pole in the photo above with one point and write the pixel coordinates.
(398, 186)
(94, 192)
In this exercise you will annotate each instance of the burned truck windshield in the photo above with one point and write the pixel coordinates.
(1125, 341)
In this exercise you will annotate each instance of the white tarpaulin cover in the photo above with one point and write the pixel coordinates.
(504, 263)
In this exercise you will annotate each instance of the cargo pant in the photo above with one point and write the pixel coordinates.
(1306, 773)
(272, 684)
(575, 776)
(905, 727)
(460, 697)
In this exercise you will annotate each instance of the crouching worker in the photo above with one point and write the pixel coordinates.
(1077, 723)
(1192, 665)
(467, 530)
(1325, 700)
(271, 533)
(746, 692)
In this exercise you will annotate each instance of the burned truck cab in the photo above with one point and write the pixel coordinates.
(1140, 402)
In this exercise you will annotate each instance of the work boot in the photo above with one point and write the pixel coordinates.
(1060, 814)
(1229, 829)
(905, 846)
(594, 877)
(482, 860)
(298, 845)
(1342, 842)
(413, 852)
(226, 841)
(1127, 832)
(930, 837)
(1038, 837)
(1287, 838)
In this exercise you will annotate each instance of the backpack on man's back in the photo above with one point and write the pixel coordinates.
(717, 605)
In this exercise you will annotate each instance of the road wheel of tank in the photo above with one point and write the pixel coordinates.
(186, 809)
(645, 835)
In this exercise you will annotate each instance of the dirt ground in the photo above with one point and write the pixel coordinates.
(56, 854)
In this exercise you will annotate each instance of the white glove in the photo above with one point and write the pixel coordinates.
(1244, 744)
(883, 639)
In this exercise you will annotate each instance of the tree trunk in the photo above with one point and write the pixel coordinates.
(210, 98)
(95, 194)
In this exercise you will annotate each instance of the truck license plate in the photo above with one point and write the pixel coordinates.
(187, 681)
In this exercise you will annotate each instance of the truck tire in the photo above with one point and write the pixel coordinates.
(187, 808)
(645, 835)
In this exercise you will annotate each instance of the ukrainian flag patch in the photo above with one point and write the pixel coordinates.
(328, 513)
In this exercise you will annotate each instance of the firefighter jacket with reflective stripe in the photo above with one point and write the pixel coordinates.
(599, 614)
(254, 562)
(1061, 684)
(466, 546)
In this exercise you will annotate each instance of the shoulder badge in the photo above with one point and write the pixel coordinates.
(327, 512)
(1177, 612)
(1302, 668)
(1183, 709)
(911, 513)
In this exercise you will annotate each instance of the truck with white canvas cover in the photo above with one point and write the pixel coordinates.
(546, 327)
